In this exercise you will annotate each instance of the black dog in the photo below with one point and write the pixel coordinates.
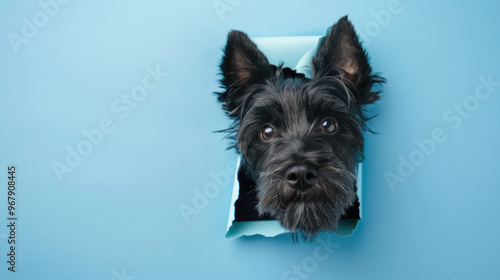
(300, 139)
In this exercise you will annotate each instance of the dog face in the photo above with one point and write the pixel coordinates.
(300, 139)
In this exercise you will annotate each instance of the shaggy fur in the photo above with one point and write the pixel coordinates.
(305, 174)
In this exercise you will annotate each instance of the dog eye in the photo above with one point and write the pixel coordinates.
(267, 132)
(329, 125)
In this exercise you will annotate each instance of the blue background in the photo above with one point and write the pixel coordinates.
(116, 215)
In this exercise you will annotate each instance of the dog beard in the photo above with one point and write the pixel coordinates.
(307, 211)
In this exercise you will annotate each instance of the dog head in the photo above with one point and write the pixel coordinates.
(300, 138)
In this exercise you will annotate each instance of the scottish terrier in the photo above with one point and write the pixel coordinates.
(300, 139)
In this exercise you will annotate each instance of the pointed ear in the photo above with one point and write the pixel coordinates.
(340, 54)
(242, 61)
(243, 64)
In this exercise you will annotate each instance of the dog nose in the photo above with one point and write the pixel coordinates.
(301, 177)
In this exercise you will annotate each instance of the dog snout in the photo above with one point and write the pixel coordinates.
(301, 177)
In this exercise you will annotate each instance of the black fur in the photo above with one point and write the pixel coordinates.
(256, 93)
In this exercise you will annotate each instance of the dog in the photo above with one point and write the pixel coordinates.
(300, 139)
